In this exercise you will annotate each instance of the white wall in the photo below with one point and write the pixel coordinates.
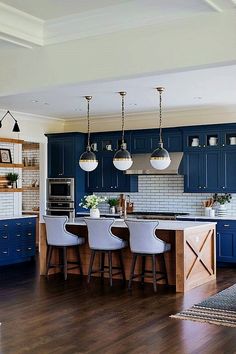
(32, 129)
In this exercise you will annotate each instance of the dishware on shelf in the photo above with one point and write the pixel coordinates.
(212, 141)
(94, 146)
(232, 140)
(195, 142)
(109, 147)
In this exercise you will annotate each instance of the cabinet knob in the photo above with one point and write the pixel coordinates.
(115, 186)
(223, 187)
(199, 187)
(111, 187)
(204, 187)
(199, 146)
(204, 145)
(223, 144)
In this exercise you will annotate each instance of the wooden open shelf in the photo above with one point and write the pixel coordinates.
(30, 146)
(11, 165)
(36, 167)
(11, 141)
(10, 190)
(30, 188)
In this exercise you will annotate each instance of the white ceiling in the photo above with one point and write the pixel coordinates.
(53, 9)
(183, 90)
(215, 86)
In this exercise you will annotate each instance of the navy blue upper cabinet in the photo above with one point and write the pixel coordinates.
(64, 151)
(61, 156)
(106, 178)
(145, 141)
(211, 148)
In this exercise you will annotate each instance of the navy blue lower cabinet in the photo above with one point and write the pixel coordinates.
(226, 241)
(17, 240)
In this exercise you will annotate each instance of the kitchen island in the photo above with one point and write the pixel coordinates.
(190, 263)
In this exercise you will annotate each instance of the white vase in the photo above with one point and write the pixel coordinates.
(94, 213)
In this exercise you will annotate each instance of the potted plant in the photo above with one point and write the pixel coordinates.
(221, 200)
(12, 178)
(113, 202)
(91, 202)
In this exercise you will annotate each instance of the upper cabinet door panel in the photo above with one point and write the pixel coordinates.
(69, 157)
(192, 173)
(55, 158)
(141, 143)
(173, 141)
(211, 171)
(228, 170)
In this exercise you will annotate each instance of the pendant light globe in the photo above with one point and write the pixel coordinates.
(88, 161)
(122, 159)
(160, 158)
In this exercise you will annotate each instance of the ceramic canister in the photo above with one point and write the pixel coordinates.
(232, 140)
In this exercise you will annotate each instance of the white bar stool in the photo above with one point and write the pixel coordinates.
(59, 237)
(144, 242)
(103, 241)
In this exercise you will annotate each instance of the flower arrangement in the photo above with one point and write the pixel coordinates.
(91, 201)
(113, 202)
(222, 199)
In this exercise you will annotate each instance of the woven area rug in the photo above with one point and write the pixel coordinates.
(219, 309)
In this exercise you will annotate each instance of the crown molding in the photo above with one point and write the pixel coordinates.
(19, 27)
(110, 19)
(30, 116)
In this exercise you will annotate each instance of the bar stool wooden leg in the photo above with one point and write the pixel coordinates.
(102, 259)
(122, 266)
(91, 264)
(79, 262)
(164, 268)
(49, 256)
(110, 266)
(143, 269)
(154, 273)
(65, 262)
(134, 258)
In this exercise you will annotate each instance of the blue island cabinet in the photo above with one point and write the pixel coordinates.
(17, 240)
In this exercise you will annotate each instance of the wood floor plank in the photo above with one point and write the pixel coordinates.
(54, 316)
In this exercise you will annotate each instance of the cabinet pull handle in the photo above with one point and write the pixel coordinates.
(6, 225)
(18, 235)
(18, 250)
(4, 252)
(226, 225)
(4, 236)
(29, 234)
(29, 248)
(30, 223)
(18, 223)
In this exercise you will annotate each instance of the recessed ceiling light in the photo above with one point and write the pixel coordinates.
(46, 104)
(34, 101)
(197, 98)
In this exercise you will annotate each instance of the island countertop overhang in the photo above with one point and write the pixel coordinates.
(173, 225)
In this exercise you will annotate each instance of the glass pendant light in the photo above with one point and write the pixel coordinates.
(160, 158)
(88, 161)
(122, 159)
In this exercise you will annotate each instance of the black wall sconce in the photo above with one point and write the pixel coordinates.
(16, 128)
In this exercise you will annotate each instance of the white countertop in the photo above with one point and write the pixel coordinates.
(215, 218)
(9, 217)
(163, 224)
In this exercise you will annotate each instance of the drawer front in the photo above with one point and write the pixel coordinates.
(226, 225)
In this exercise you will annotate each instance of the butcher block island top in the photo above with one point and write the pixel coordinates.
(190, 263)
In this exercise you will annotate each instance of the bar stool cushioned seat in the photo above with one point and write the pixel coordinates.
(59, 237)
(103, 241)
(144, 242)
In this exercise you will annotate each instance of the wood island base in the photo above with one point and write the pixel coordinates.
(190, 263)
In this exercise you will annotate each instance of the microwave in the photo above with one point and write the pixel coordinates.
(60, 189)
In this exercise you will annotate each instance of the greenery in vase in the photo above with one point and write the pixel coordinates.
(91, 201)
(12, 177)
(222, 198)
(113, 202)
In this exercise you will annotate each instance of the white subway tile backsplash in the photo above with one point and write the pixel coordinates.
(166, 193)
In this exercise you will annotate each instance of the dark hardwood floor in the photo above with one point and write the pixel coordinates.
(67, 317)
